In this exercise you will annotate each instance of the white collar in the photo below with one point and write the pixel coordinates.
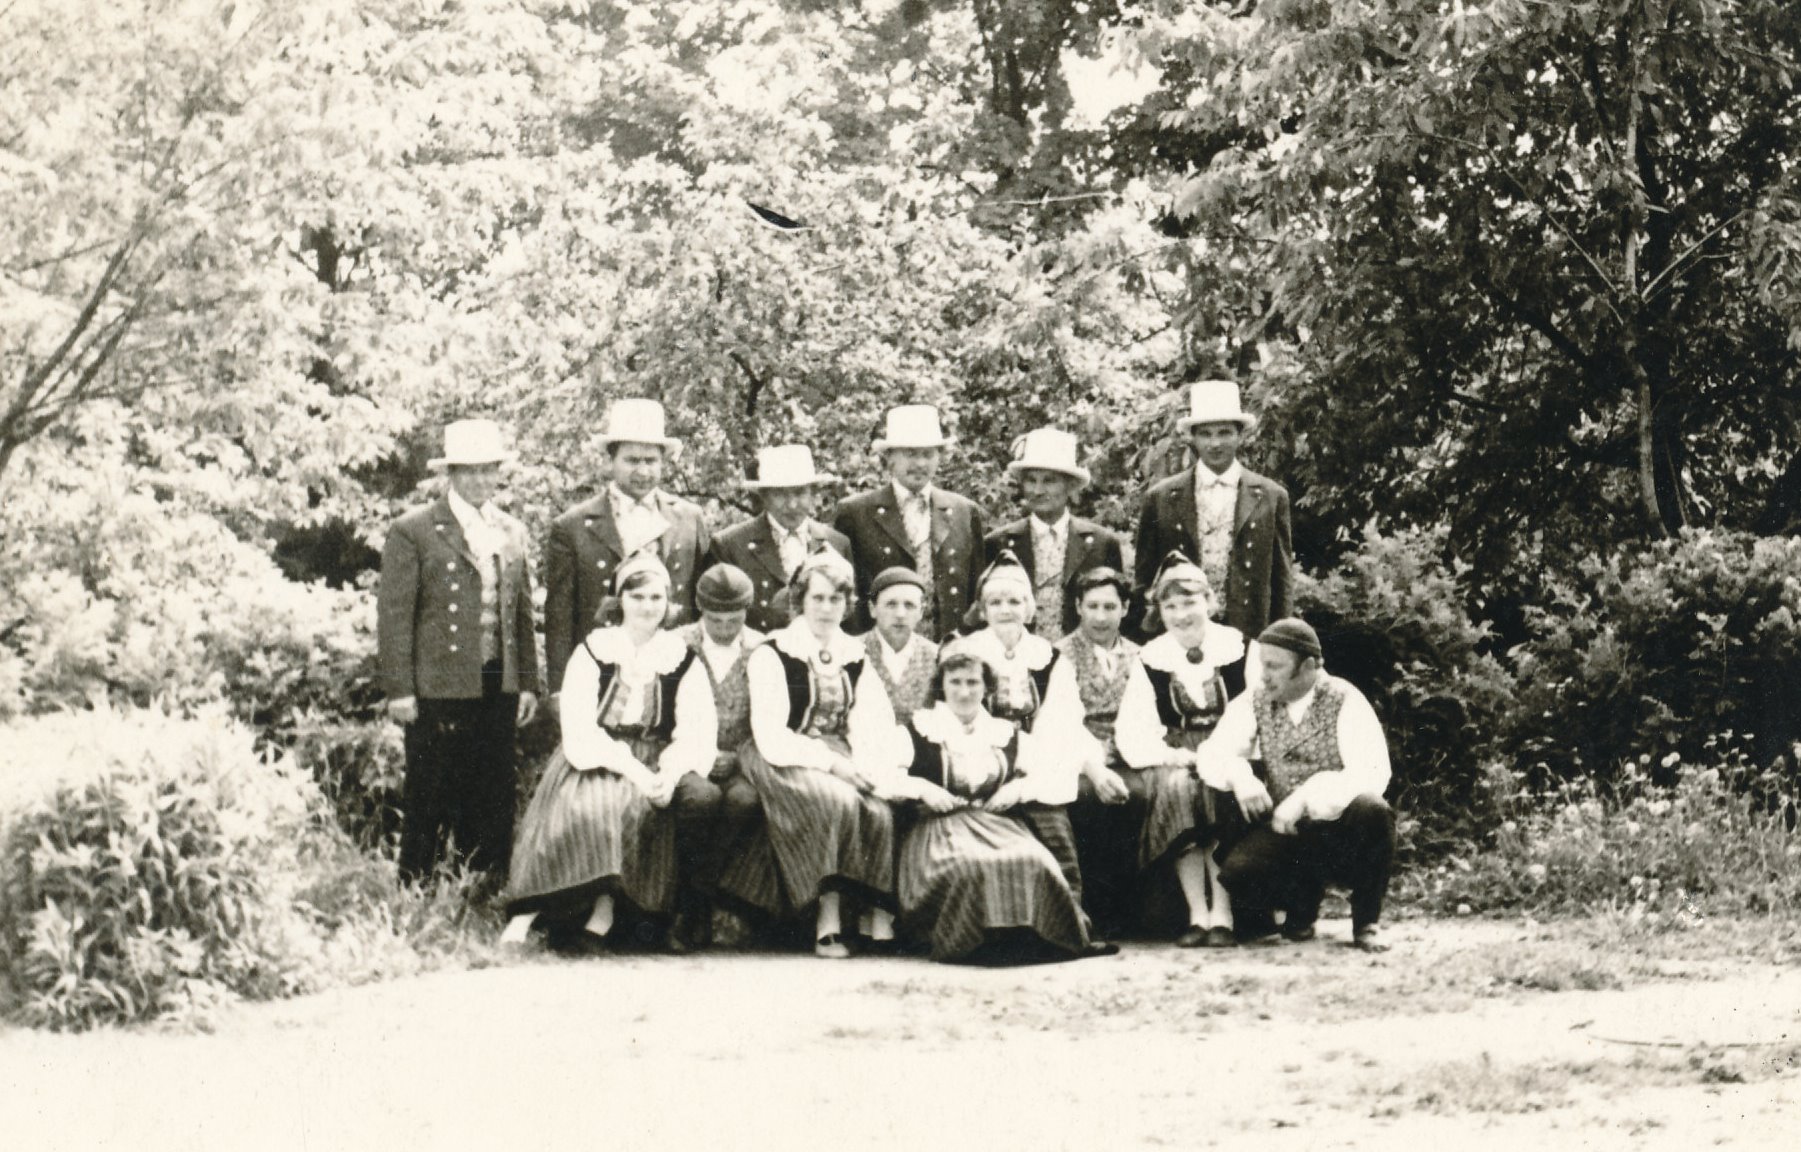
(465, 511)
(797, 640)
(876, 637)
(664, 652)
(1034, 650)
(779, 533)
(622, 500)
(1222, 645)
(1298, 707)
(902, 495)
(1230, 477)
(941, 726)
(1040, 527)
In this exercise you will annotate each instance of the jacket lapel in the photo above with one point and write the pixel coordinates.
(1182, 512)
(888, 519)
(941, 520)
(1250, 501)
(1019, 539)
(598, 521)
(1075, 552)
(762, 545)
(447, 526)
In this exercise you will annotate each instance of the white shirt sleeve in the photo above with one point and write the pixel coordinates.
(691, 749)
(880, 748)
(1053, 754)
(776, 742)
(585, 743)
(1224, 759)
(1138, 730)
(1366, 771)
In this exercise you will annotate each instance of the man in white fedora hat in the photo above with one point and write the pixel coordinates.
(913, 523)
(1230, 518)
(770, 546)
(630, 514)
(1055, 547)
(459, 657)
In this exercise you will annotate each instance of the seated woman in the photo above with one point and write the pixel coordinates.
(903, 658)
(1107, 818)
(637, 716)
(1174, 697)
(825, 755)
(1035, 688)
(970, 878)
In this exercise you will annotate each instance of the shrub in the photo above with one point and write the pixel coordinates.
(1663, 650)
(1719, 840)
(360, 766)
(1393, 620)
(132, 878)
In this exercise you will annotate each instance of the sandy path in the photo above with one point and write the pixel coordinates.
(1297, 1047)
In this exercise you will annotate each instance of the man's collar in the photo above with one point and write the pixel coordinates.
(1299, 705)
(465, 511)
(1233, 474)
(622, 498)
(903, 494)
(1039, 526)
(780, 533)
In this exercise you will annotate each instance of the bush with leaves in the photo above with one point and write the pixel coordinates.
(1668, 649)
(1718, 839)
(133, 863)
(1393, 621)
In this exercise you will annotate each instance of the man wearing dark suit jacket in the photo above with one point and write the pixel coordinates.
(770, 546)
(911, 523)
(1054, 547)
(588, 542)
(459, 658)
(1232, 519)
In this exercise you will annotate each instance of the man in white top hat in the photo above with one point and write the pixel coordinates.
(913, 523)
(631, 514)
(770, 546)
(1230, 518)
(459, 657)
(1055, 547)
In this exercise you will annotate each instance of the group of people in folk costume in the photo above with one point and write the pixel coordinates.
(913, 729)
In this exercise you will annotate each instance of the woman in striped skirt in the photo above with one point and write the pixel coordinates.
(970, 877)
(1035, 688)
(637, 715)
(825, 756)
(1173, 700)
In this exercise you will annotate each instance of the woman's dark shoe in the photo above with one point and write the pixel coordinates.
(1194, 936)
(831, 947)
(1220, 938)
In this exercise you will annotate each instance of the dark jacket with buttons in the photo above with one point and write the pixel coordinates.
(1260, 587)
(878, 539)
(1089, 546)
(429, 608)
(752, 547)
(583, 553)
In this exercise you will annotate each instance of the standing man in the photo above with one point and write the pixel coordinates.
(1055, 547)
(1316, 813)
(631, 514)
(459, 658)
(1232, 519)
(909, 522)
(769, 547)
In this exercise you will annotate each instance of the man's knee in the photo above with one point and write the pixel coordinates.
(1369, 817)
(741, 802)
(696, 796)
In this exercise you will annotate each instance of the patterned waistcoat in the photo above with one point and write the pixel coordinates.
(731, 692)
(1294, 752)
(913, 690)
(1101, 693)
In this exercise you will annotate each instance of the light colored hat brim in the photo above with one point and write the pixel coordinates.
(817, 479)
(673, 447)
(1244, 420)
(1077, 473)
(941, 442)
(438, 463)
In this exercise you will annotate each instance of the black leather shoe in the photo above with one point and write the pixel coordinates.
(1220, 938)
(1368, 938)
(1298, 933)
(1194, 936)
(1098, 948)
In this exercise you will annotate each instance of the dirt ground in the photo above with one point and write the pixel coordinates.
(1467, 1035)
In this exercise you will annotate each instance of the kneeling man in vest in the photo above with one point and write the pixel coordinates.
(1316, 813)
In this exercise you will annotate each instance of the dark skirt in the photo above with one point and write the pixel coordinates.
(1179, 809)
(822, 829)
(592, 832)
(968, 873)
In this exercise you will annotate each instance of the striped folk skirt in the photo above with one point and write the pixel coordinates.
(751, 876)
(968, 872)
(1179, 809)
(591, 832)
(823, 829)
